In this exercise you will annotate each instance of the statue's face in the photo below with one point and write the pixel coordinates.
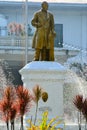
(45, 6)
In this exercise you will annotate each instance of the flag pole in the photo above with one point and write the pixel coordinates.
(26, 31)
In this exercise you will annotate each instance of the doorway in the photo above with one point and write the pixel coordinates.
(59, 35)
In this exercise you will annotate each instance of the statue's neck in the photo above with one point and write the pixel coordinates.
(45, 11)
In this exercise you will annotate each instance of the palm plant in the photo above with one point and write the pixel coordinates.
(78, 102)
(37, 90)
(23, 102)
(38, 93)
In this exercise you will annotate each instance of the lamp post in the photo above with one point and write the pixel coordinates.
(26, 31)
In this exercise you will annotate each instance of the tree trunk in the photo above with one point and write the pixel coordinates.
(36, 113)
(22, 126)
(79, 120)
(7, 123)
(12, 125)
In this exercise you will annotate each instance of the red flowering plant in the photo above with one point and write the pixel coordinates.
(16, 29)
(7, 109)
(78, 102)
(23, 102)
(17, 101)
(84, 111)
(81, 105)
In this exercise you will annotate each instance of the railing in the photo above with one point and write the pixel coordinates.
(19, 43)
(14, 49)
(15, 41)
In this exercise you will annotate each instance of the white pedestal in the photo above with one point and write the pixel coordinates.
(50, 76)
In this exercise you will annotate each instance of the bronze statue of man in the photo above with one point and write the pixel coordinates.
(43, 40)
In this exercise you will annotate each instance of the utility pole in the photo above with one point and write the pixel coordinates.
(26, 31)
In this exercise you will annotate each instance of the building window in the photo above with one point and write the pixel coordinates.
(0, 31)
(3, 31)
(59, 35)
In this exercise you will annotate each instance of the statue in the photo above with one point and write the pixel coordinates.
(43, 40)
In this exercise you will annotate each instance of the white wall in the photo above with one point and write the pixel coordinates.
(74, 24)
(74, 27)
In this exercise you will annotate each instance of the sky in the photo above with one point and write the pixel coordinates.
(69, 1)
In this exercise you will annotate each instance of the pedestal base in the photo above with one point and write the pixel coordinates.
(50, 76)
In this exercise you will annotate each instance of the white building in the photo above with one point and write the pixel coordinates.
(70, 26)
(70, 20)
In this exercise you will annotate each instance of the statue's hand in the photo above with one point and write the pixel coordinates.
(39, 25)
(53, 33)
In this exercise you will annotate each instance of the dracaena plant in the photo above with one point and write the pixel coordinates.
(84, 111)
(23, 102)
(4, 112)
(7, 108)
(78, 102)
(13, 113)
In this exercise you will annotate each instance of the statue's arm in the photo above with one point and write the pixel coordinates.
(35, 21)
(52, 22)
(52, 26)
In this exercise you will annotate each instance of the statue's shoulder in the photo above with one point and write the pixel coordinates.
(50, 13)
(38, 12)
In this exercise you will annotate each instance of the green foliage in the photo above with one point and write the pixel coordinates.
(45, 124)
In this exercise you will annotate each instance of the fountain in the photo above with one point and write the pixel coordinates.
(50, 76)
(75, 83)
(67, 84)
(61, 83)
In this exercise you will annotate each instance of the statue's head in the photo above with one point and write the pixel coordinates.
(44, 5)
